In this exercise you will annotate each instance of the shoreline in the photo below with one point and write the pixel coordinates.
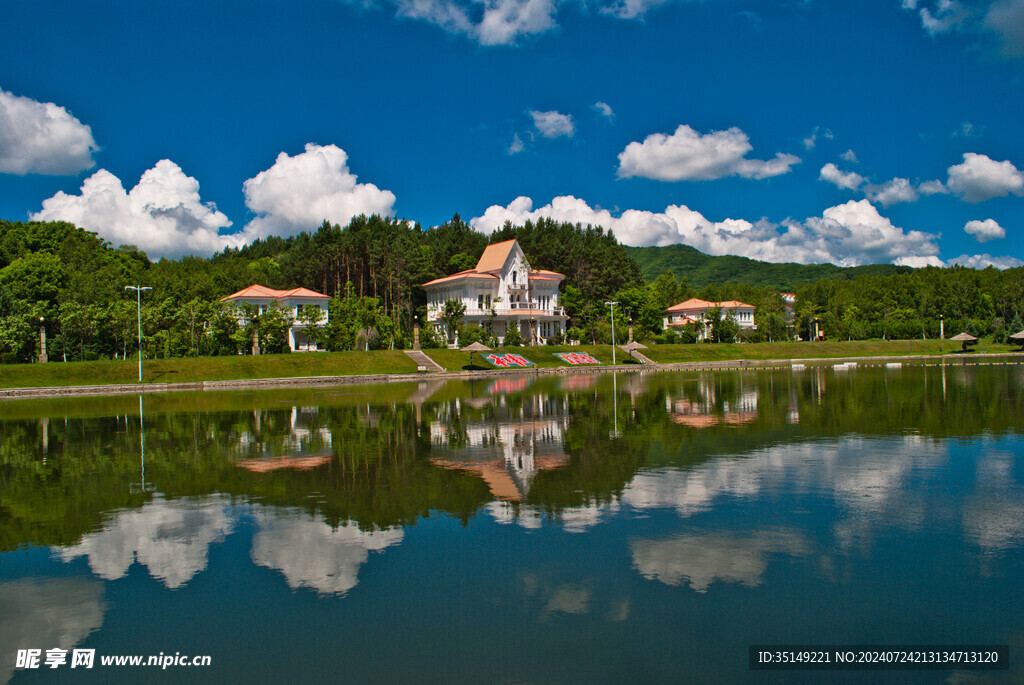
(371, 379)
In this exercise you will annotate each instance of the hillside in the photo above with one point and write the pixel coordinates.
(702, 270)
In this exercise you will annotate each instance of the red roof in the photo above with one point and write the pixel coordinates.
(261, 291)
(493, 260)
(693, 304)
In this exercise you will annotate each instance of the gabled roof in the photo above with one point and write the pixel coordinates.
(470, 273)
(491, 262)
(261, 291)
(694, 304)
(494, 256)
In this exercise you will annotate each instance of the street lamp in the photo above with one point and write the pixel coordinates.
(612, 305)
(138, 301)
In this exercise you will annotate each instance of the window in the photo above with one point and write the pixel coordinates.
(480, 301)
(513, 276)
(488, 301)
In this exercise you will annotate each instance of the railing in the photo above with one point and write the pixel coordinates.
(515, 308)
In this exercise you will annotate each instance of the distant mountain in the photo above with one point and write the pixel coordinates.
(703, 270)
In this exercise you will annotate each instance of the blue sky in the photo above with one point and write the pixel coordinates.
(810, 131)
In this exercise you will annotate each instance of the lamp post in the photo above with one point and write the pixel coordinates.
(612, 305)
(42, 340)
(138, 301)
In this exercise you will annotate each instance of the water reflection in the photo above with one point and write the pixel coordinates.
(507, 448)
(313, 554)
(699, 559)
(170, 538)
(593, 509)
(46, 613)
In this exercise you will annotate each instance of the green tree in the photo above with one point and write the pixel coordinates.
(452, 315)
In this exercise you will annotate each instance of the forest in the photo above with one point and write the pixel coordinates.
(71, 283)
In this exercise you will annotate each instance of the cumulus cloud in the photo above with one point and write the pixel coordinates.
(849, 156)
(981, 178)
(848, 235)
(297, 193)
(630, 9)
(688, 155)
(848, 180)
(983, 261)
(553, 124)
(42, 138)
(891, 192)
(162, 215)
(604, 109)
(984, 231)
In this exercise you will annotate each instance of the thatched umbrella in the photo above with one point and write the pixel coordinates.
(475, 347)
(633, 345)
(1018, 337)
(965, 338)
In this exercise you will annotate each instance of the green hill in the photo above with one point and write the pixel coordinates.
(702, 270)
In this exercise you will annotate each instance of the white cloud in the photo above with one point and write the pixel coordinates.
(933, 188)
(162, 215)
(1001, 21)
(849, 156)
(687, 155)
(812, 140)
(980, 178)
(984, 231)
(604, 109)
(983, 261)
(553, 124)
(298, 193)
(944, 16)
(488, 22)
(849, 234)
(891, 192)
(42, 138)
(517, 145)
(847, 180)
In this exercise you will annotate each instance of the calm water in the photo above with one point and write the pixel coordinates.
(638, 528)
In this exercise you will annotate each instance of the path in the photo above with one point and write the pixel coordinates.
(421, 359)
(637, 355)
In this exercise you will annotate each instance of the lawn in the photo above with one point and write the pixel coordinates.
(669, 354)
(206, 369)
(397, 362)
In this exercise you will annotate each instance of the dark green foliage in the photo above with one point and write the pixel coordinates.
(702, 270)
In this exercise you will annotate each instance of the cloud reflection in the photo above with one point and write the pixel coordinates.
(312, 554)
(700, 559)
(171, 538)
(43, 614)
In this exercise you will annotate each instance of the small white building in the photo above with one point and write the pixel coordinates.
(694, 311)
(505, 291)
(291, 301)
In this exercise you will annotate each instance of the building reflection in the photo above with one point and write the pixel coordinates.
(710, 406)
(506, 447)
(300, 445)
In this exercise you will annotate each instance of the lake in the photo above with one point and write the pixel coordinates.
(588, 528)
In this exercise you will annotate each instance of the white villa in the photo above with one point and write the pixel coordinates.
(505, 287)
(291, 301)
(694, 310)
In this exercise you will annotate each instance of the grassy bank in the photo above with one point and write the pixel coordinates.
(206, 369)
(669, 354)
(396, 362)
